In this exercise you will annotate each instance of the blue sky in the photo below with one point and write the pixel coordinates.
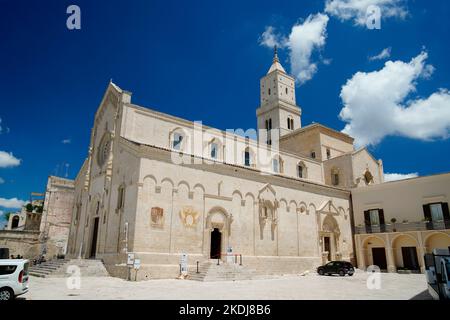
(202, 60)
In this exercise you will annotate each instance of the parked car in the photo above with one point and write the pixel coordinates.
(13, 278)
(336, 267)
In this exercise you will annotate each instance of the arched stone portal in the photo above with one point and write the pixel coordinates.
(217, 232)
(329, 239)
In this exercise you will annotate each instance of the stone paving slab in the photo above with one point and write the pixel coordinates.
(311, 286)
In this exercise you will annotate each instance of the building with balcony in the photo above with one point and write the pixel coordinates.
(397, 222)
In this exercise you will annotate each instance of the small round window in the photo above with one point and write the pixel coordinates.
(103, 150)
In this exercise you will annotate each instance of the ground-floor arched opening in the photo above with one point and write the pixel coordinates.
(216, 242)
(437, 240)
(406, 253)
(375, 253)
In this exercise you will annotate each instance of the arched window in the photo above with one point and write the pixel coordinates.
(15, 222)
(178, 139)
(214, 149)
(335, 176)
(277, 164)
(290, 123)
(247, 157)
(269, 91)
(301, 170)
(120, 197)
(368, 177)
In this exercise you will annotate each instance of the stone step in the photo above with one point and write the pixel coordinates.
(210, 271)
(38, 274)
(43, 269)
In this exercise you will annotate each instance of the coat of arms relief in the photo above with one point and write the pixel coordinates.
(189, 216)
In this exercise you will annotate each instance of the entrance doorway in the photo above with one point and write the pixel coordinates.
(327, 247)
(94, 239)
(216, 239)
(379, 258)
(410, 260)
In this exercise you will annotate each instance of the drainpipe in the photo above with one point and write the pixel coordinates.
(352, 223)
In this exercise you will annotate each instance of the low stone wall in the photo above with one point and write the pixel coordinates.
(25, 243)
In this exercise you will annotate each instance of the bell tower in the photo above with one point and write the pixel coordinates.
(278, 109)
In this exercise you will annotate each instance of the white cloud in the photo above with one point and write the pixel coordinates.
(384, 54)
(271, 39)
(399, 176)
(8, 160)
(2, 180)
(66, 141)
(304, 39)
(11, 203)
(375, 106)
(356, 9)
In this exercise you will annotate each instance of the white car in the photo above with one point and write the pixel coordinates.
(13, 278)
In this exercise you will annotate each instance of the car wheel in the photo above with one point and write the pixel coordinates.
(350, 274)
(6, 294)
(341, 273)
(321, 272)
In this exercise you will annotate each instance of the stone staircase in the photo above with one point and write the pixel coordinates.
(44, 269)
(210, 271)
(59, 268)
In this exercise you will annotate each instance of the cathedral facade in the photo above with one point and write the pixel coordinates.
(159, 186)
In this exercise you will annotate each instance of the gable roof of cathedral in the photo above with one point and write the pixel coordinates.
(320, 127)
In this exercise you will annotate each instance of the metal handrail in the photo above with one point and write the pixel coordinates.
(403, 226)
(230, 254)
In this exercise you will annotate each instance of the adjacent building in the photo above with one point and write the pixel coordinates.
(397, 222)
(42, 226)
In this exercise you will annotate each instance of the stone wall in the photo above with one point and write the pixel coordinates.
(25, 243)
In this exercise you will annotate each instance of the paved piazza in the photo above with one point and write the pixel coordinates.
(311, 286)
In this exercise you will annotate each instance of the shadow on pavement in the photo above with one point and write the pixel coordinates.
(424, 295)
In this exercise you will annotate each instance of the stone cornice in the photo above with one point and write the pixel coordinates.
(162, 154)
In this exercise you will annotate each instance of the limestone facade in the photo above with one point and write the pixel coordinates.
(57, 215)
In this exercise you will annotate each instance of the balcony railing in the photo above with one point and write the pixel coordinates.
(404, 226)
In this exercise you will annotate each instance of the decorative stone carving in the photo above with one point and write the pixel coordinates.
(189, 216)
(157, 217)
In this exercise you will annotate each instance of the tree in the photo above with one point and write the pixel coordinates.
(29, 207)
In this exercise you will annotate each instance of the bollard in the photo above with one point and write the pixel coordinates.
(218, 261)
(240, 262)
(180, 268)
(197, 267)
